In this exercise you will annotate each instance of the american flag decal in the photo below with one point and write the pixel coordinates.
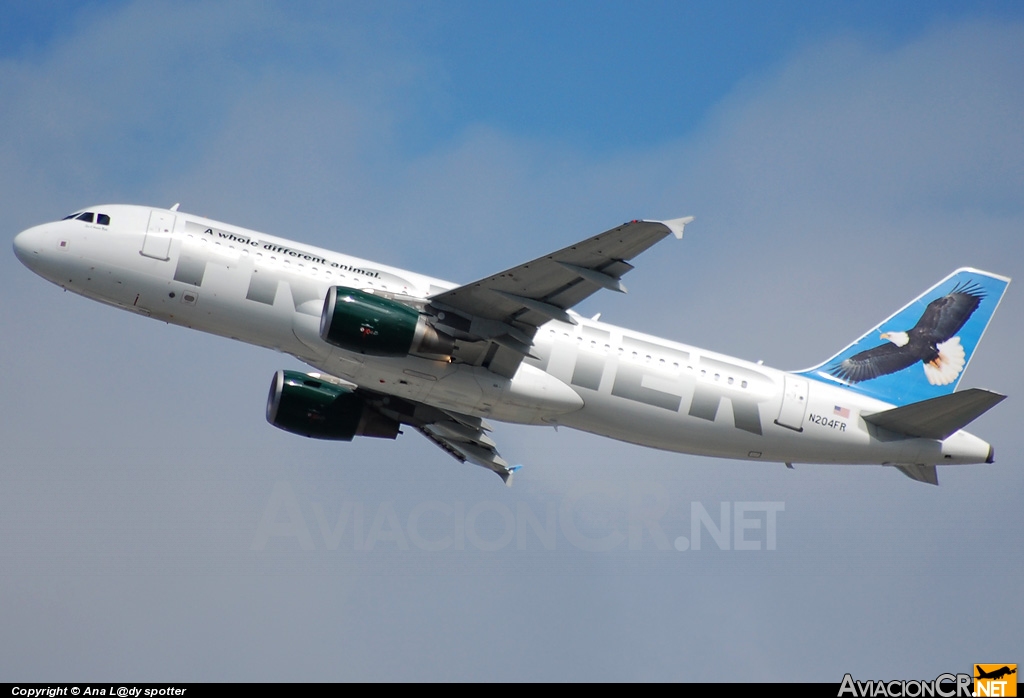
(841, 411)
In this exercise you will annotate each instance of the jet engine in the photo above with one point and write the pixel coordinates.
(309, 406)
(368, 324)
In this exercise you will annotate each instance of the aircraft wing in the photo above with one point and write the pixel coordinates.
(465, 443)
(496, 318)
(461, 436)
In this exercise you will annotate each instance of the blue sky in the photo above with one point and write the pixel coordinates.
(840, 159)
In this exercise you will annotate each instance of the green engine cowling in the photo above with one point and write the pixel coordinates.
(306, 405)
(369, 324)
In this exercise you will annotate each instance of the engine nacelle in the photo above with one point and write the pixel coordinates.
(367, 324)
(306, 405)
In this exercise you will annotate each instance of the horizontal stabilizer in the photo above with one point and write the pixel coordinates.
(921, 473)
(938, 417)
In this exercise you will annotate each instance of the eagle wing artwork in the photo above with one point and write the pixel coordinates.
(391, 348)
(931, 341)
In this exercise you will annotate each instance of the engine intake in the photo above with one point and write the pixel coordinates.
(368, 324)
(306, 405)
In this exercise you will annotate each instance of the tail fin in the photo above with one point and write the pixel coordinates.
(922, 350)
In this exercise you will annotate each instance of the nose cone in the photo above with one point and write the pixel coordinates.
(36, 249)
(28, 246)
(23, 245)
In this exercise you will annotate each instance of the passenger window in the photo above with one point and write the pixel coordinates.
(102, 219)
(87, 217)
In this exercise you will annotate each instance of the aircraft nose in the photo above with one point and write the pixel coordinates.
(27, 246)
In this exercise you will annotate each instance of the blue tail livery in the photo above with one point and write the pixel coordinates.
(921, 351)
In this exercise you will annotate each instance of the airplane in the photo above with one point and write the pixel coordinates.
(394, 348)
(995, 674)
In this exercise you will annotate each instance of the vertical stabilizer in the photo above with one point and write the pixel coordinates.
(922, 350)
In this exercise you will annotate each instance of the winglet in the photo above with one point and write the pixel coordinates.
(676, 225)
(508, 474)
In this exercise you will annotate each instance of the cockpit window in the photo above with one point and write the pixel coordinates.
(87, 217)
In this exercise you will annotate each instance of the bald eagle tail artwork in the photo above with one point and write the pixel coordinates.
(948, 365)
(922, 350)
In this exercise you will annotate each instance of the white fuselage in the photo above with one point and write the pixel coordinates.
(268, 291)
